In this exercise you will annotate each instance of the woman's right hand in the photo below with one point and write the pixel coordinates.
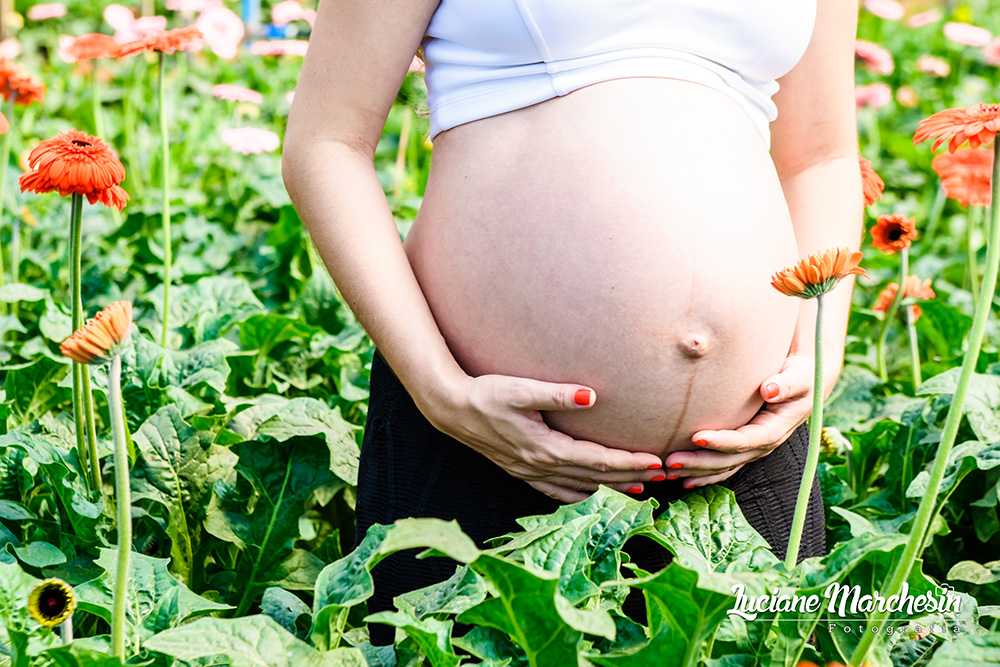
(500, 417)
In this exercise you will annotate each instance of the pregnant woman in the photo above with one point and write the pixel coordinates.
(584, 296)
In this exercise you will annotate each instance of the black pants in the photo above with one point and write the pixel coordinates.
(410, 469)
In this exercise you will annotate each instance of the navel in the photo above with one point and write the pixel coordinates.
(693, 345)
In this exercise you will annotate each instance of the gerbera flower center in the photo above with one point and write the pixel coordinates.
(52, 601)
(894, 234)
(82, 144)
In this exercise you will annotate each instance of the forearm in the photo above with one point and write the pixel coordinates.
(340, 200)
(824, 201)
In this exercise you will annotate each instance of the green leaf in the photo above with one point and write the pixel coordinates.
(982, 402)
(285, 608)
(33, 388)
(152, 593)
(280, 418)
(685, 607)
(183, 465)
(975, 573)
(530, 609)
(461, 591)
(962, 460)
(204, 364)
(284, 475)
(851, 401)
(62, 477)
(251, 641)
(78, 655)
(14, 511)
(207, 308)
(265, 332)
(969, 651)
(432, 635)
(490, 645)
(706, 531)
(55, 323)
(39, 554)
(14, 292)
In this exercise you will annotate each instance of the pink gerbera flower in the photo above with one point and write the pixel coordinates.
(228, 91)
(223, 31)
(886, 9)
(874, 95)
(933, 65)
(49, 10)
(249, 140)
(280, 47)
(967, 34)
(874, 56)
(991, 52)
(925, 18)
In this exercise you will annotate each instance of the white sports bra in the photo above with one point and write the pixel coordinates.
(487, 57)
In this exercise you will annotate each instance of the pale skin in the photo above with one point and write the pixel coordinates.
(468, 373)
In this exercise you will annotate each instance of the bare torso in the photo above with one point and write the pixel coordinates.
(622, 237)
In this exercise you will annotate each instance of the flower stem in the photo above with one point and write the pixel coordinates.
(124, 508)
(76, 212)
(890, 315)
(165, 187)
(928, 502)
(15, 258)
(812, 457)
(4, 163)
(911, 331)
(66, 630)
(971, 251)
(86, 395)
(404, 140)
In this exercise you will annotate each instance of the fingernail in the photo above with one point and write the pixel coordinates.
(676, 466)
(635, 489)
(655, 466)
(701, 443)
(771, 389)
(583, 396)
(672, 476)
(689, 485)
(658, 478)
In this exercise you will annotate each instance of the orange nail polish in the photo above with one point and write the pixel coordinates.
(583, 396)
(672, 476)
(655, 466)
(676, 466)
(635, 489)
(658, 478)
(701, 443)
(772, 390)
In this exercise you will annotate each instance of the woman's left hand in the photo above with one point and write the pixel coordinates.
(725, 452)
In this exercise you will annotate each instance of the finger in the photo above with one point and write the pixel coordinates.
(528, 394)
(588, 487)
(622, 477)
(795, 379)
(598, 458)
(768, 427)
(695, 482)
(707, 462)
(560, 493)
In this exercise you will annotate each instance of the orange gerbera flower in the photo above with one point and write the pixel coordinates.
(93, 45)
(75, 162)
(102, 337)
(871, 182)
(978, 124)
(16, 80)
(912, 287)
(966, 175)
(167, 41)
(893, 232)
(819, 273)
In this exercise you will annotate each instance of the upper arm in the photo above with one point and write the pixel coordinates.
(359, 53)
(816, 110)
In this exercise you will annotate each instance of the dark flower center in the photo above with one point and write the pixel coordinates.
(895, 234)
(82, 144)
(52, 601)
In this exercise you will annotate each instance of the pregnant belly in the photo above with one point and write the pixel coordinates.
(621, 237)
